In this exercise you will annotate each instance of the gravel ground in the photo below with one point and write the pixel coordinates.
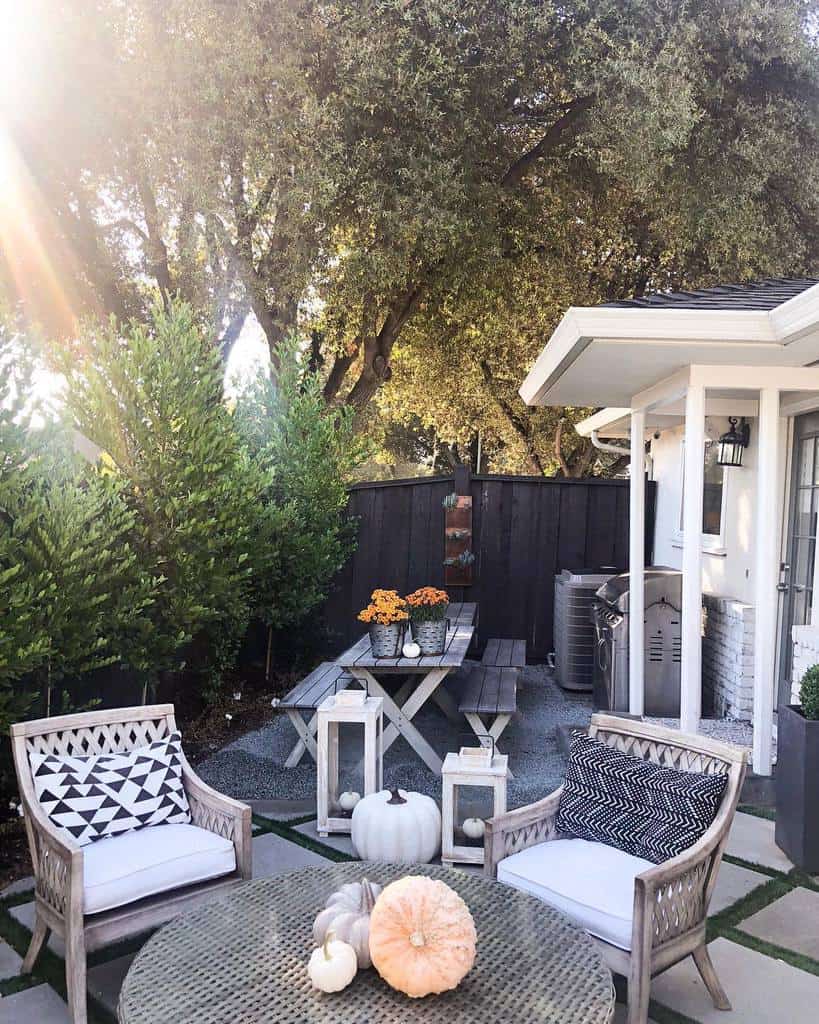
(251, 768)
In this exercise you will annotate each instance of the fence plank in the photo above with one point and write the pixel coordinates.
(525, 530)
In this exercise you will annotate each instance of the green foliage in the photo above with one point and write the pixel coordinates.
(151, 397)
(425, 186)
(74, 595)
(308, 453)
(809, 693)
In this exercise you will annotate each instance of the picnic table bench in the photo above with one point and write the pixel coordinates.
(505, 653)
(490, 693)
(327, 679)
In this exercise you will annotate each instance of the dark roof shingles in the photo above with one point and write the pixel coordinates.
(766, 294)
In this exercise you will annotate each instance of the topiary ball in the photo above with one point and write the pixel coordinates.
(809, 693)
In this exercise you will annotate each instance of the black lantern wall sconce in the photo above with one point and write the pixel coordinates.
(733, 442)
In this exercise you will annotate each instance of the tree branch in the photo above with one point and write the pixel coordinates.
(555, 135)
(514, 418)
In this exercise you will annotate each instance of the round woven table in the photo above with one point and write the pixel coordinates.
(243, 958)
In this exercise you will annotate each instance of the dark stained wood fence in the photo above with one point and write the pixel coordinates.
(525, 531)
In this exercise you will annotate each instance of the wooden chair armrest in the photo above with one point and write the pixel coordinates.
(221, 814)
(674, 896)
(57, 860)
(516, 830)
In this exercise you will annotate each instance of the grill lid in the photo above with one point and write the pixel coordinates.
(662, 583)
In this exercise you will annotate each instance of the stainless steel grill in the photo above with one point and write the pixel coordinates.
(663, 642)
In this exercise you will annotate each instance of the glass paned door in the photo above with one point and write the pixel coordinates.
(797, 571)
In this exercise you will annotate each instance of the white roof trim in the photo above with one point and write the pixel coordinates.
(751, 329)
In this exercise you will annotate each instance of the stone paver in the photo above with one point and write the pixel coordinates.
(105, 981)
(338, 840)
(791, 921)
(733, 883)
(25, 915)
(21, 885)
(273, 855)
(752, 839)
(621, 1012)
(282, 810)
(38, 1005)
(10, 961)
(762, 990)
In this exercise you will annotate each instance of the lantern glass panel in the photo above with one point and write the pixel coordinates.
(350, 768)
(471, 804)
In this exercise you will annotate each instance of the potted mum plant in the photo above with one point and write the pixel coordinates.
(428, 621)
(386, 615)
(797, 776)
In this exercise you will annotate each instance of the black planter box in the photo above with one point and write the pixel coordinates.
(797, 787)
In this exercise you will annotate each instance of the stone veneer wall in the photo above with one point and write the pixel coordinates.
(805, 654)
(728, 656)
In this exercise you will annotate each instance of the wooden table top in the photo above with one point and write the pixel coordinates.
(458, 639)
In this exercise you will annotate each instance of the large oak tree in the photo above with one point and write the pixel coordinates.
(420, 186)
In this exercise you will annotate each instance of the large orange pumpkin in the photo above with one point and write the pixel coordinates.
(422, 936)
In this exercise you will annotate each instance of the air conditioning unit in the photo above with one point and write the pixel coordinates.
(575, 592)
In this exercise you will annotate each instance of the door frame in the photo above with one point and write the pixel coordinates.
(784, 659)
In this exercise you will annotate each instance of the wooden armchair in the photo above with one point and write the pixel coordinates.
(59, 861)
(671, 899)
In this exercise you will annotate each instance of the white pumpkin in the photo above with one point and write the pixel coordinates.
(474, 828)
(347, 916)
(332, 966)
(411, 649)
(348, 800)
(397, 827)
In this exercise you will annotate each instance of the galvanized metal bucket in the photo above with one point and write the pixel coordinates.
(386, 641)
(430, 635)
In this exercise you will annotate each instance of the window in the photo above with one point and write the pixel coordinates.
(713, 498)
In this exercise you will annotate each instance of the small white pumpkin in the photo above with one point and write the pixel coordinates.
(348, 800)
(347, 916)
(397, 827)
(474, 828)
(333, 965)
(411, 649)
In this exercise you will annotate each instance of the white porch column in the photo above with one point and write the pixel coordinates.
(691, 675)
(766, 577)
(636, 564)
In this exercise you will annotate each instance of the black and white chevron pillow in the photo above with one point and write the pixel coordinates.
(639, 807)
(106, 794)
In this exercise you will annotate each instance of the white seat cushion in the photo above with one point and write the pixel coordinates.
(151, 860)
(591, 882)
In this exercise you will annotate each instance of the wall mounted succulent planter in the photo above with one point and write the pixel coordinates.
(458, 557)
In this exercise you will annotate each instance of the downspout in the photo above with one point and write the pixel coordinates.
(606, 446)
(616, 449)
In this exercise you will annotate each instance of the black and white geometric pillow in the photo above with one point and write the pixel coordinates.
(92, 797)
(639, 807)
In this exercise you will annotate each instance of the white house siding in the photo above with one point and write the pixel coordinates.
(728, 588)
(805, 654)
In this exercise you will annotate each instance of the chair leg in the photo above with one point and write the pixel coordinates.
(75, 974)
(38, 937)
(639, 991)
(705, 966)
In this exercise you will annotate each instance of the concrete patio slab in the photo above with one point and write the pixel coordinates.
(621, 1012)
(24, 914)
(762, 990)
(105, 981)
(283, 810)
(38, 1005)
(752, 839)
(10, 961)
(338, 841)
(21, 885)
(791, 921)
(273, 855)
(733, 883)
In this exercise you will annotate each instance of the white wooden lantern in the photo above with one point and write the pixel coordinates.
(462, 833)
(345, 709)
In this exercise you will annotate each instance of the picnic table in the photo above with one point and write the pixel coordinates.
(401, 707)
